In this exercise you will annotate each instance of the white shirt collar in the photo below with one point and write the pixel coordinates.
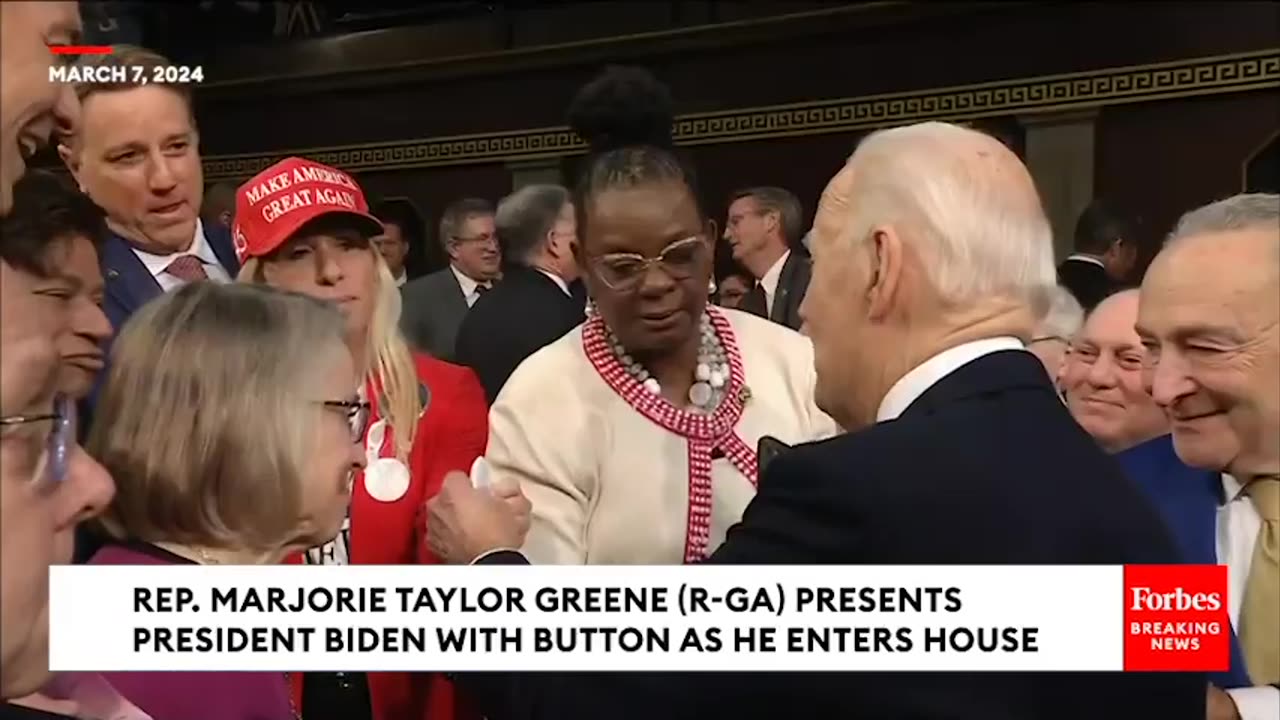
(466, 282)
(1086, 258)
(769, 283)
(927, 374)
(402, 278)
(157, 264)
(1231, 487)
(557, 280)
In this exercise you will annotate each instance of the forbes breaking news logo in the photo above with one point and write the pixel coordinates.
(1175, 618)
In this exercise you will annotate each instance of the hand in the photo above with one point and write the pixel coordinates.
(509, 492)
(464, 523)
(1220, 706)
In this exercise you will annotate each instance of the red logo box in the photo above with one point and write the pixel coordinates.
(1175, 618)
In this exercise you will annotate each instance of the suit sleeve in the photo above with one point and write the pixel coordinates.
(413, 321)
(544, 444)
(472, 350)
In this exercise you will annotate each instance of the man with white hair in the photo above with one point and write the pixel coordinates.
(1053, 335)
(1209, 314)
(930, 252)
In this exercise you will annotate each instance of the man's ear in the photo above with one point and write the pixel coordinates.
(772, 220)
(71, 159)
(886, 271)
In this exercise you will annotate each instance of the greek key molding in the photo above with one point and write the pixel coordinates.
(1098, 88)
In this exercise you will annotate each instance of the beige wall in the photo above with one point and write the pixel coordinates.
(1060, 156)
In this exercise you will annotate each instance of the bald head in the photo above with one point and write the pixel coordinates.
(1102, 379)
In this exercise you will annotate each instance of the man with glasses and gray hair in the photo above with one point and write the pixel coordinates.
(532, 306)
(1209, 318)
(435, 305)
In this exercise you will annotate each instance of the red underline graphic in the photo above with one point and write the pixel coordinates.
(80, 49)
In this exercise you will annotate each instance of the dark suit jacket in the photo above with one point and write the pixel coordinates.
(434, 307)
(792, 284)
(520, 315)
(1087, 281)
(986, 467)
(128, 286)
(1187, 500)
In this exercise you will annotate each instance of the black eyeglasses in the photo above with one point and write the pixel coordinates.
(58, 445)
(623, 271)
(357, 413)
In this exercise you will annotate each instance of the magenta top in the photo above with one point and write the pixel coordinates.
(194, 695)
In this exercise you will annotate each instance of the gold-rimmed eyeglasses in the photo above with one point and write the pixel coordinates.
(679, 260)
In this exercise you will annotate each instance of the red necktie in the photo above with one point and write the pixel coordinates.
(187, 268)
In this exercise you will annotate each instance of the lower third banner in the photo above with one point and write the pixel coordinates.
(606, 618)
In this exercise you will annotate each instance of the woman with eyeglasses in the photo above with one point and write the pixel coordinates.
(230, 423)
(305, 227)
(635, 435)
(48, 484)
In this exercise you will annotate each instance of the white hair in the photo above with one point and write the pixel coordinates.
(1238, 212)
(1065, 316)
(980, 235)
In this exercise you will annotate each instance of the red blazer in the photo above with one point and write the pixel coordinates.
(451, 434)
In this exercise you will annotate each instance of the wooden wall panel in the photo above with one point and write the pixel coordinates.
(1158, 160)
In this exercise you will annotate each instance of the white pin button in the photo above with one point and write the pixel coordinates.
(481, 477)
(386, 479)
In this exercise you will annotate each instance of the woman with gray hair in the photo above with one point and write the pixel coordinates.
(230, 422)
(533, 306)
(1052, 339)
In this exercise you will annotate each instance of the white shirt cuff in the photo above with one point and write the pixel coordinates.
(486, 554)
(1256, 703)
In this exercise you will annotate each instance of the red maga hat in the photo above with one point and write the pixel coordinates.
(277, 201)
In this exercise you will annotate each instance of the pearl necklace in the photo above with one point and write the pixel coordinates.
(710, 375)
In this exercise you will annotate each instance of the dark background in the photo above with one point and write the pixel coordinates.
(343, 73)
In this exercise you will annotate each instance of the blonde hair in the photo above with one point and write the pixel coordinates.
(390, 363)
(207, 417)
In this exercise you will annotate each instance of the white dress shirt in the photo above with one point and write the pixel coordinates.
(769, 283)
(402, 279)
(1086, 258)
(1237, 531)
(470, 288)
(927, 374)
(199, 248)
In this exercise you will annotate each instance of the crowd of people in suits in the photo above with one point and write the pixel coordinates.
(257, 378)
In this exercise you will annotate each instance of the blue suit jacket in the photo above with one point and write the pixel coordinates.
(1187, 500)
(129, 285)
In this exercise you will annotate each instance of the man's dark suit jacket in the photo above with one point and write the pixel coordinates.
(520, 315)
(792, 284)
(434, 307)
(986, 467)
(1087, 281)
(1187, 499)
(128, 285)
